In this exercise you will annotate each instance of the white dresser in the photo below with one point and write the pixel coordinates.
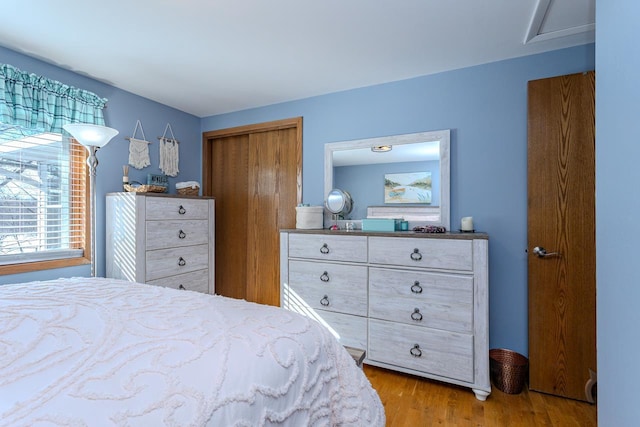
(416, 302)
(161, 240)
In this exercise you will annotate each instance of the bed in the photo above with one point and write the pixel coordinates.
(95, 351)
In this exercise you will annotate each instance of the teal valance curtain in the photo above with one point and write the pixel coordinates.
(40, 104)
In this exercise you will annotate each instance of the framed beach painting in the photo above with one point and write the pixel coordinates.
(412, 187)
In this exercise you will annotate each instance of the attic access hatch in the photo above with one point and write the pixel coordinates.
(554, 18)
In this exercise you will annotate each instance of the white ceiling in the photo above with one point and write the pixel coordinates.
(208, 57)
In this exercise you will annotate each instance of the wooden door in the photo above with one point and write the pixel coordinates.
(255, 174)
(561, 235)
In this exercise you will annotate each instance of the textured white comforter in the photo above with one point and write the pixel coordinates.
(100, 352)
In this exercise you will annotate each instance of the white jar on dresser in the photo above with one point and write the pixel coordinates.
(416, 302)
(161, 240)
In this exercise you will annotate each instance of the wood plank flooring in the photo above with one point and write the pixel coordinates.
(414, 401)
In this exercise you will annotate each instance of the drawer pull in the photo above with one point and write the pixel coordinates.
(181, 235)
(324, 249)
(416, 315)
(415, 351)
(181, 287)
(325, 301)
(324, 277)
(416, 288)
(416, 255)
(182, 210)
(182, 262)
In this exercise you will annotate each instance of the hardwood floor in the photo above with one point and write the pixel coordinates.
(414, 401)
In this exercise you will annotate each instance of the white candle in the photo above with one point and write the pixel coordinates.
(466, 224)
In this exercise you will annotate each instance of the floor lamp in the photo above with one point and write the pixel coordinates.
(92, 137)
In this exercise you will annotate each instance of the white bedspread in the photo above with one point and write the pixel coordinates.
(101, 352)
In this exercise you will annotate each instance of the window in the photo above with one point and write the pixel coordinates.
(43, 179)
(43, 201)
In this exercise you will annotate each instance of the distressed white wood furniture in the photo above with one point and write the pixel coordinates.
(416, 302)
(161, 240)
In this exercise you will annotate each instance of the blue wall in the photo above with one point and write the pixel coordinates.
(486, 109)
(123, 109)
(618, 211)
(484, 106)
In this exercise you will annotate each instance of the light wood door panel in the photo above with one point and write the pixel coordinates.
(271, 207)
(561, 218)
(229, 185)
(255, 174)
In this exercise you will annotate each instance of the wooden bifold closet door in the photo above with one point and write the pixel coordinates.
(255, 174)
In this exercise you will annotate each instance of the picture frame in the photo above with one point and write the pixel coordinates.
(408, 188)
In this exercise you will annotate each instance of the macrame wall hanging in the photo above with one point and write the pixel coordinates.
(169, 155)
(138, 149)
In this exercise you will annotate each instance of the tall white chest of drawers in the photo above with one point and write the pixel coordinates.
(161, 240)
(416, 302)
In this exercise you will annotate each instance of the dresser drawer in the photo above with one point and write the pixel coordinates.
(327, 247)
(195, 281)
(441, 353)
(328, 286)
(167, 262)
(171, 234)
(446, 254)
(348, 329)
(161, 208)
(435, 300)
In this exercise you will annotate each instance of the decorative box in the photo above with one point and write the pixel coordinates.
(381, 224)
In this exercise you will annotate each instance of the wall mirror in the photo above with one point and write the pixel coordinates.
(374, 172)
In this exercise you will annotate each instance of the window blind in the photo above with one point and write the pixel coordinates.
(43, 196)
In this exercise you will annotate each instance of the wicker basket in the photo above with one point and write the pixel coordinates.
(188, 191)
(508, 370)
(143, 188)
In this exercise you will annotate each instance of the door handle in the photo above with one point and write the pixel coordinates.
(542, 252)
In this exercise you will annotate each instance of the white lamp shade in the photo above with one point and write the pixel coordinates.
(90, 135)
